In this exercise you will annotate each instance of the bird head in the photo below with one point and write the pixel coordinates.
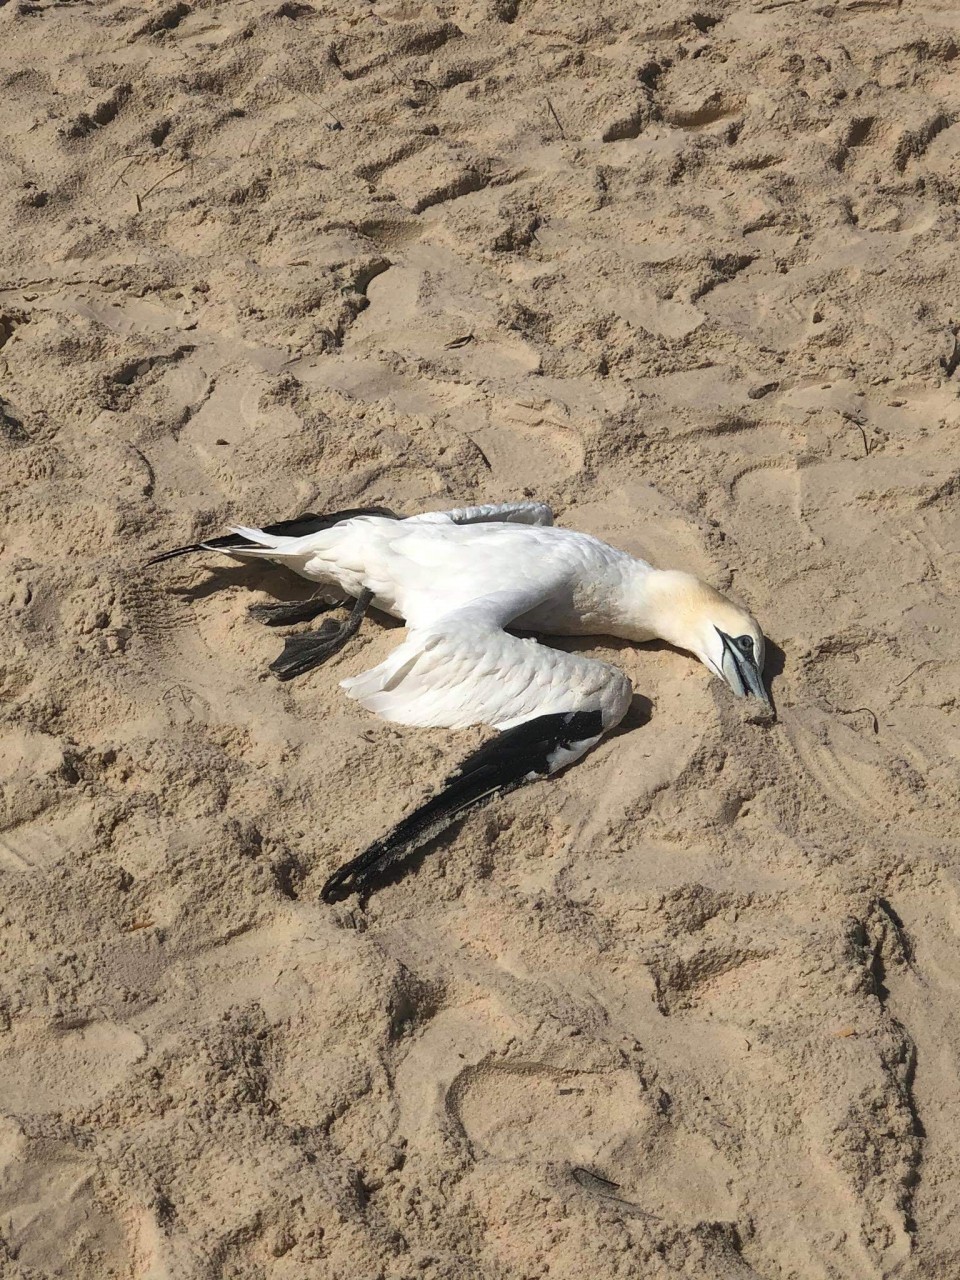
(692, 615)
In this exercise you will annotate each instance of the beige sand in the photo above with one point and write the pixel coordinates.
(707, 261)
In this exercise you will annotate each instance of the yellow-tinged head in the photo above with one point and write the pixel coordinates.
(690, 614)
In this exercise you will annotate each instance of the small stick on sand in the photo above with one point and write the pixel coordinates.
(849, 417)
(159, 182)
(556, 118)
(855, 710)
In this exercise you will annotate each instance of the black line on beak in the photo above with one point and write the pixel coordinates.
(747, 667)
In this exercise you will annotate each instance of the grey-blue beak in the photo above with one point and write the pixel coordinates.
(741, 670)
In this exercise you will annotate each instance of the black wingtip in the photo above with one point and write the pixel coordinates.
(533, 749)
(299, 527)
(229, 544)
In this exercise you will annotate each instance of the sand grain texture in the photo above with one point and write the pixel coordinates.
(691, 275)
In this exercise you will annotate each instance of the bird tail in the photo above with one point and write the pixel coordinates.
(240, 541)
(244, 541)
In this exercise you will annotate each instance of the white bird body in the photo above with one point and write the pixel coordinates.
(420, 571)
(459, 580)
(457, 586)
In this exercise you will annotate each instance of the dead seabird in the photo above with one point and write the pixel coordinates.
(459, 579)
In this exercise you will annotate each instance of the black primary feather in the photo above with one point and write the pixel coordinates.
(516, 756)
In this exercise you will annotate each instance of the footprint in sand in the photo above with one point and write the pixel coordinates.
(847, 766)
(51, 1217)
(55, 1066)
(603, 1125)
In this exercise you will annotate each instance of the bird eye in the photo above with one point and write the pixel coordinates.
(745, 644)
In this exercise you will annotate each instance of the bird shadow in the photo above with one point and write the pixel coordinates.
(403, 867)
(285, 586)
(282, 584)
(639, 713)
(775, 661)
(774, 665)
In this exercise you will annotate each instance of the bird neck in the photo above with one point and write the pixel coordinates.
(661, 604)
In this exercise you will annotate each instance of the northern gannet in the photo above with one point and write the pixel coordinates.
(458, 579)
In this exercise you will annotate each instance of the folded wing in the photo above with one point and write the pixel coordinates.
(464, 669)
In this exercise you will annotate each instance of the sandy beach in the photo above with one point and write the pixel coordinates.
(690, 274)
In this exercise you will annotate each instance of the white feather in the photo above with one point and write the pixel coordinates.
(465, 669)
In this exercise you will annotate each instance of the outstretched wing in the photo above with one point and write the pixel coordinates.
(464, 669)
(251, 541)
(528, 751)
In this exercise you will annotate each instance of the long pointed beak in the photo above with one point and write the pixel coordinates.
(753, 682)
(742, 674)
